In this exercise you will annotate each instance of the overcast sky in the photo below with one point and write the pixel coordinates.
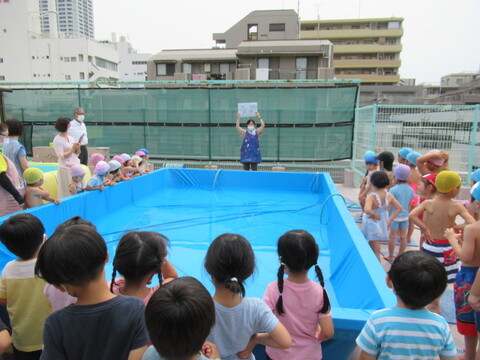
(440, 36)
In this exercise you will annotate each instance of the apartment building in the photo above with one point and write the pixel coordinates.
(365, 49)
(74, 17)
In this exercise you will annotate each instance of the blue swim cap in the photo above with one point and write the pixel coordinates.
(476, 175)
(476, 191)
(412, 157)
(144, 150)
(404, 152)
(367, 154)
(371, 159)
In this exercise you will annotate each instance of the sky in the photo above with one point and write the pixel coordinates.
(440, 36)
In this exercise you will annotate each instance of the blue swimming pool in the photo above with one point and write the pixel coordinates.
(192, 207)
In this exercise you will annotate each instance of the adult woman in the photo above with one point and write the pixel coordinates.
(13, 149)
(67, 151)
(250, 155)
(12, 190)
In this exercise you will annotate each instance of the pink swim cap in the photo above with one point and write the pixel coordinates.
(436, 160)
(125, 157)
(120, 159)
(96, 157)
(77, 170)
(140, 153)
(101, 168)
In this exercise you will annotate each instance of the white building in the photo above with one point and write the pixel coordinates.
(132, 66)
(74, 17)
(27, 55)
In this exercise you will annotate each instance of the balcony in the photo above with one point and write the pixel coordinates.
(366, 48)
(370, 78)
(365, 63)
(349, 34)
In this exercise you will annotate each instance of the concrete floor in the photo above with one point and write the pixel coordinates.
(352, 194)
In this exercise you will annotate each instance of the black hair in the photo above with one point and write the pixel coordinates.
(76, 220)
(379, 179)
(250, 121)
(15, 127)
(139, 253)
(62, 124)
(230, 260)
(387, 159)
(179, 317)
(298, 250)
(22, 235)
(75, 255)
(3, 127)
(418, 278)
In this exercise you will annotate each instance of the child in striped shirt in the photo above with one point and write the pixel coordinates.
(409, 331)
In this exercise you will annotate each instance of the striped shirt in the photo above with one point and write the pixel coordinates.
(398, 333)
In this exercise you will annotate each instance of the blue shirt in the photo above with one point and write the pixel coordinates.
(404, 195)
(397, 333)
(152, 354)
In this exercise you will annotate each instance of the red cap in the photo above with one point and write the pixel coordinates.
(430, 178)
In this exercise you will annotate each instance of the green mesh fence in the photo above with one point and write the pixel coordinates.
(303, 124)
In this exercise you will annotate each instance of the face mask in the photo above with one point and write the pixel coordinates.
(81, 117)
(251, 127)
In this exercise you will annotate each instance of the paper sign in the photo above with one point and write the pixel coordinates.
(247, 109)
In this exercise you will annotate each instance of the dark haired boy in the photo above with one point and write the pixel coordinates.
(99, 325)
(179, 318)
(20, 290)
(409, 331)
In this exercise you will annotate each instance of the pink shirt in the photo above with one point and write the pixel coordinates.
(58, 299)
(301, 303)
(61, 146)
(120, 283)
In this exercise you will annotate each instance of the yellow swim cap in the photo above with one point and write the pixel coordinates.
(447, 181)
(32, 175)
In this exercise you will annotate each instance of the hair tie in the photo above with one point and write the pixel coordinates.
(280, 295)
(232, 279)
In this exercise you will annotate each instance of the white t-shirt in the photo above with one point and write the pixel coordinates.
(77, 129)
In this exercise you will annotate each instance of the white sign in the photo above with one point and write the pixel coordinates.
(247, 109)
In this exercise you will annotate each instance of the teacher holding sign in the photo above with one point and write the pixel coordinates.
(250, 155)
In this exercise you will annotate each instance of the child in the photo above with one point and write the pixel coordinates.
(95, 158)
(5, 339)
(97, 181)
(409, 331)
(376, 222)
(129, 168)
(371, 163)
(138, 257)
(404, 195)
(35, 194)
(298, 302)
(99, 325)
(475, 177)
(402, 155)
(179, 318)
(433, 161)
(413, 182)
(20, 290)
(119, 174)
(426, 191)
(77, 185)
(386, 159)
(144, 166)
(439, 215)
(137, 163)
(469, 254)
(241, 322)
(112, 177)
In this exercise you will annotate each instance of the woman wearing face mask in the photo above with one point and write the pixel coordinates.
(250, 155)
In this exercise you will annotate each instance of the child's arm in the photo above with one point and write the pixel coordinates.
(474, 297)
(137, 354)
(465, 251)
(46, 196)
(279, 338)
(326, 330)
(398, 208)
(5, 341)
(368, 208)
(73, 189)
(365, 356)
(168, 271)
(413, 217)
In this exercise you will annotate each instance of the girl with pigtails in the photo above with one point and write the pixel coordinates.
(301, 304)
(138, 257)
(240, 322)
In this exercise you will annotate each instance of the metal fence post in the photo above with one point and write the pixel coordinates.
(374, 122)
(473, 141)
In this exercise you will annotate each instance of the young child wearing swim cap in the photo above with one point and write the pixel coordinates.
(35, 193)
(439, 215)
(433, 162)
(468, 251)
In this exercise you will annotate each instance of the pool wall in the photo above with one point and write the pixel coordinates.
(357, 280)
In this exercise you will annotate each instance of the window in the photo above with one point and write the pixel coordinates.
(47, 57)
(224, 68)
(82, 76)
(1, 60)
(301, 65)
(140, 63)
(165, 69)
(106, 64)
(80, 57)
(351, 42)
(263, 63)
(277, 27)
(73, 59)
(355, 27)
(66, 59)
(307, 67)
(187, 68)
(68, 77)
(252, 30)
(2, 77)
(394, 25)
(4, 31)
